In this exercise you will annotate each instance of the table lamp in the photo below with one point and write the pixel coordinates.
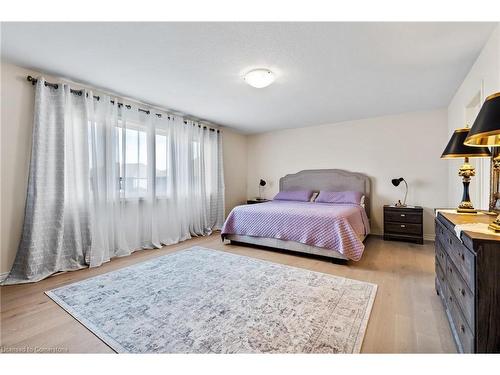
(396, 182)
(486, 132)
(456, 149)
(262, 183)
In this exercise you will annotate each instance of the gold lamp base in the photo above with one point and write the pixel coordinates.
(466, 210)
(466, 207)
(466, 171)
(495, 226)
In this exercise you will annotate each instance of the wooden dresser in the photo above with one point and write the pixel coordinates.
(404, 223)
(468, 282)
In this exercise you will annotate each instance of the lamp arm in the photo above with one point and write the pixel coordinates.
(406, 192)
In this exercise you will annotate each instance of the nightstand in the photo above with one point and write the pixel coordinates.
(404, 223)
(255, 201)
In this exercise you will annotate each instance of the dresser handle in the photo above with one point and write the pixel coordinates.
(403, 215)
(462, 292)
(462, 328)
(463, 257)
(451, 299)
(449, 241)
(403, 226)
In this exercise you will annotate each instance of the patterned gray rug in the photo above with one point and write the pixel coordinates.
(207, 301)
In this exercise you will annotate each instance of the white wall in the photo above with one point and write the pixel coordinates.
(17, 100)
(235, 168)
(407, 145)
(483, 78)
(16, 128)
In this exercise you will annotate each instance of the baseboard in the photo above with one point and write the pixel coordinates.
(430, 237)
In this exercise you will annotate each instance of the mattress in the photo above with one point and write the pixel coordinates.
(334, 227)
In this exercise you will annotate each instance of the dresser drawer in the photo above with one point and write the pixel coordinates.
(440, 275)
(403, 216)
(463, 258)
(463, 295)
(462, 330)
(440, 254)
(439, 289)
(403, 228)
(440, 230)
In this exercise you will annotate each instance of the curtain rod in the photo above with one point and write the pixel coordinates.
(146, 111)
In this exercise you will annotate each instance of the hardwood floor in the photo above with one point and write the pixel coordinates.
(407, 315)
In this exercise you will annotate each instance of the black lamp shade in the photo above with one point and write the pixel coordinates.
(456, 148)
(397, 181)
(262, 182)
(486, 129)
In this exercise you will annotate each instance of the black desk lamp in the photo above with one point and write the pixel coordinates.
(456, 149)
(396, 182)
(486, 132)
(262, 183)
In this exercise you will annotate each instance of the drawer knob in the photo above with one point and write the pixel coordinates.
(462, 328)
(403, 226)
(451, 299)
(462, 292)
(463, 257)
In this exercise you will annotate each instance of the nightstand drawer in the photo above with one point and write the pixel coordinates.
(403, 223)
(401, 216)
(403, 228)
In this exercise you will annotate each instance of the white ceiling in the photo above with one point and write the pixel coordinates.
(326, 72)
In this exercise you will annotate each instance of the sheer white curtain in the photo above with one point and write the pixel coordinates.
(155, 181)
(106, 180)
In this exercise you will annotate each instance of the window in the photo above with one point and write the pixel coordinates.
(133, 160)
(163, 164)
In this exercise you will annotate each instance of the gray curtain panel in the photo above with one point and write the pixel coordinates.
(56, 233)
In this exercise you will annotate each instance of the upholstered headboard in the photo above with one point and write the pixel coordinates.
(328, 180)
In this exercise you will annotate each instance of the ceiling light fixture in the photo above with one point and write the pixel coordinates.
(259, 78)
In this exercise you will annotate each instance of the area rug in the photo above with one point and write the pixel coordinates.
(206, 301)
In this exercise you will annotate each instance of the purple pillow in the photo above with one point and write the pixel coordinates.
(298, 195)
(339, 197)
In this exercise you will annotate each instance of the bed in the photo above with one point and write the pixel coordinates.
(335, 231)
